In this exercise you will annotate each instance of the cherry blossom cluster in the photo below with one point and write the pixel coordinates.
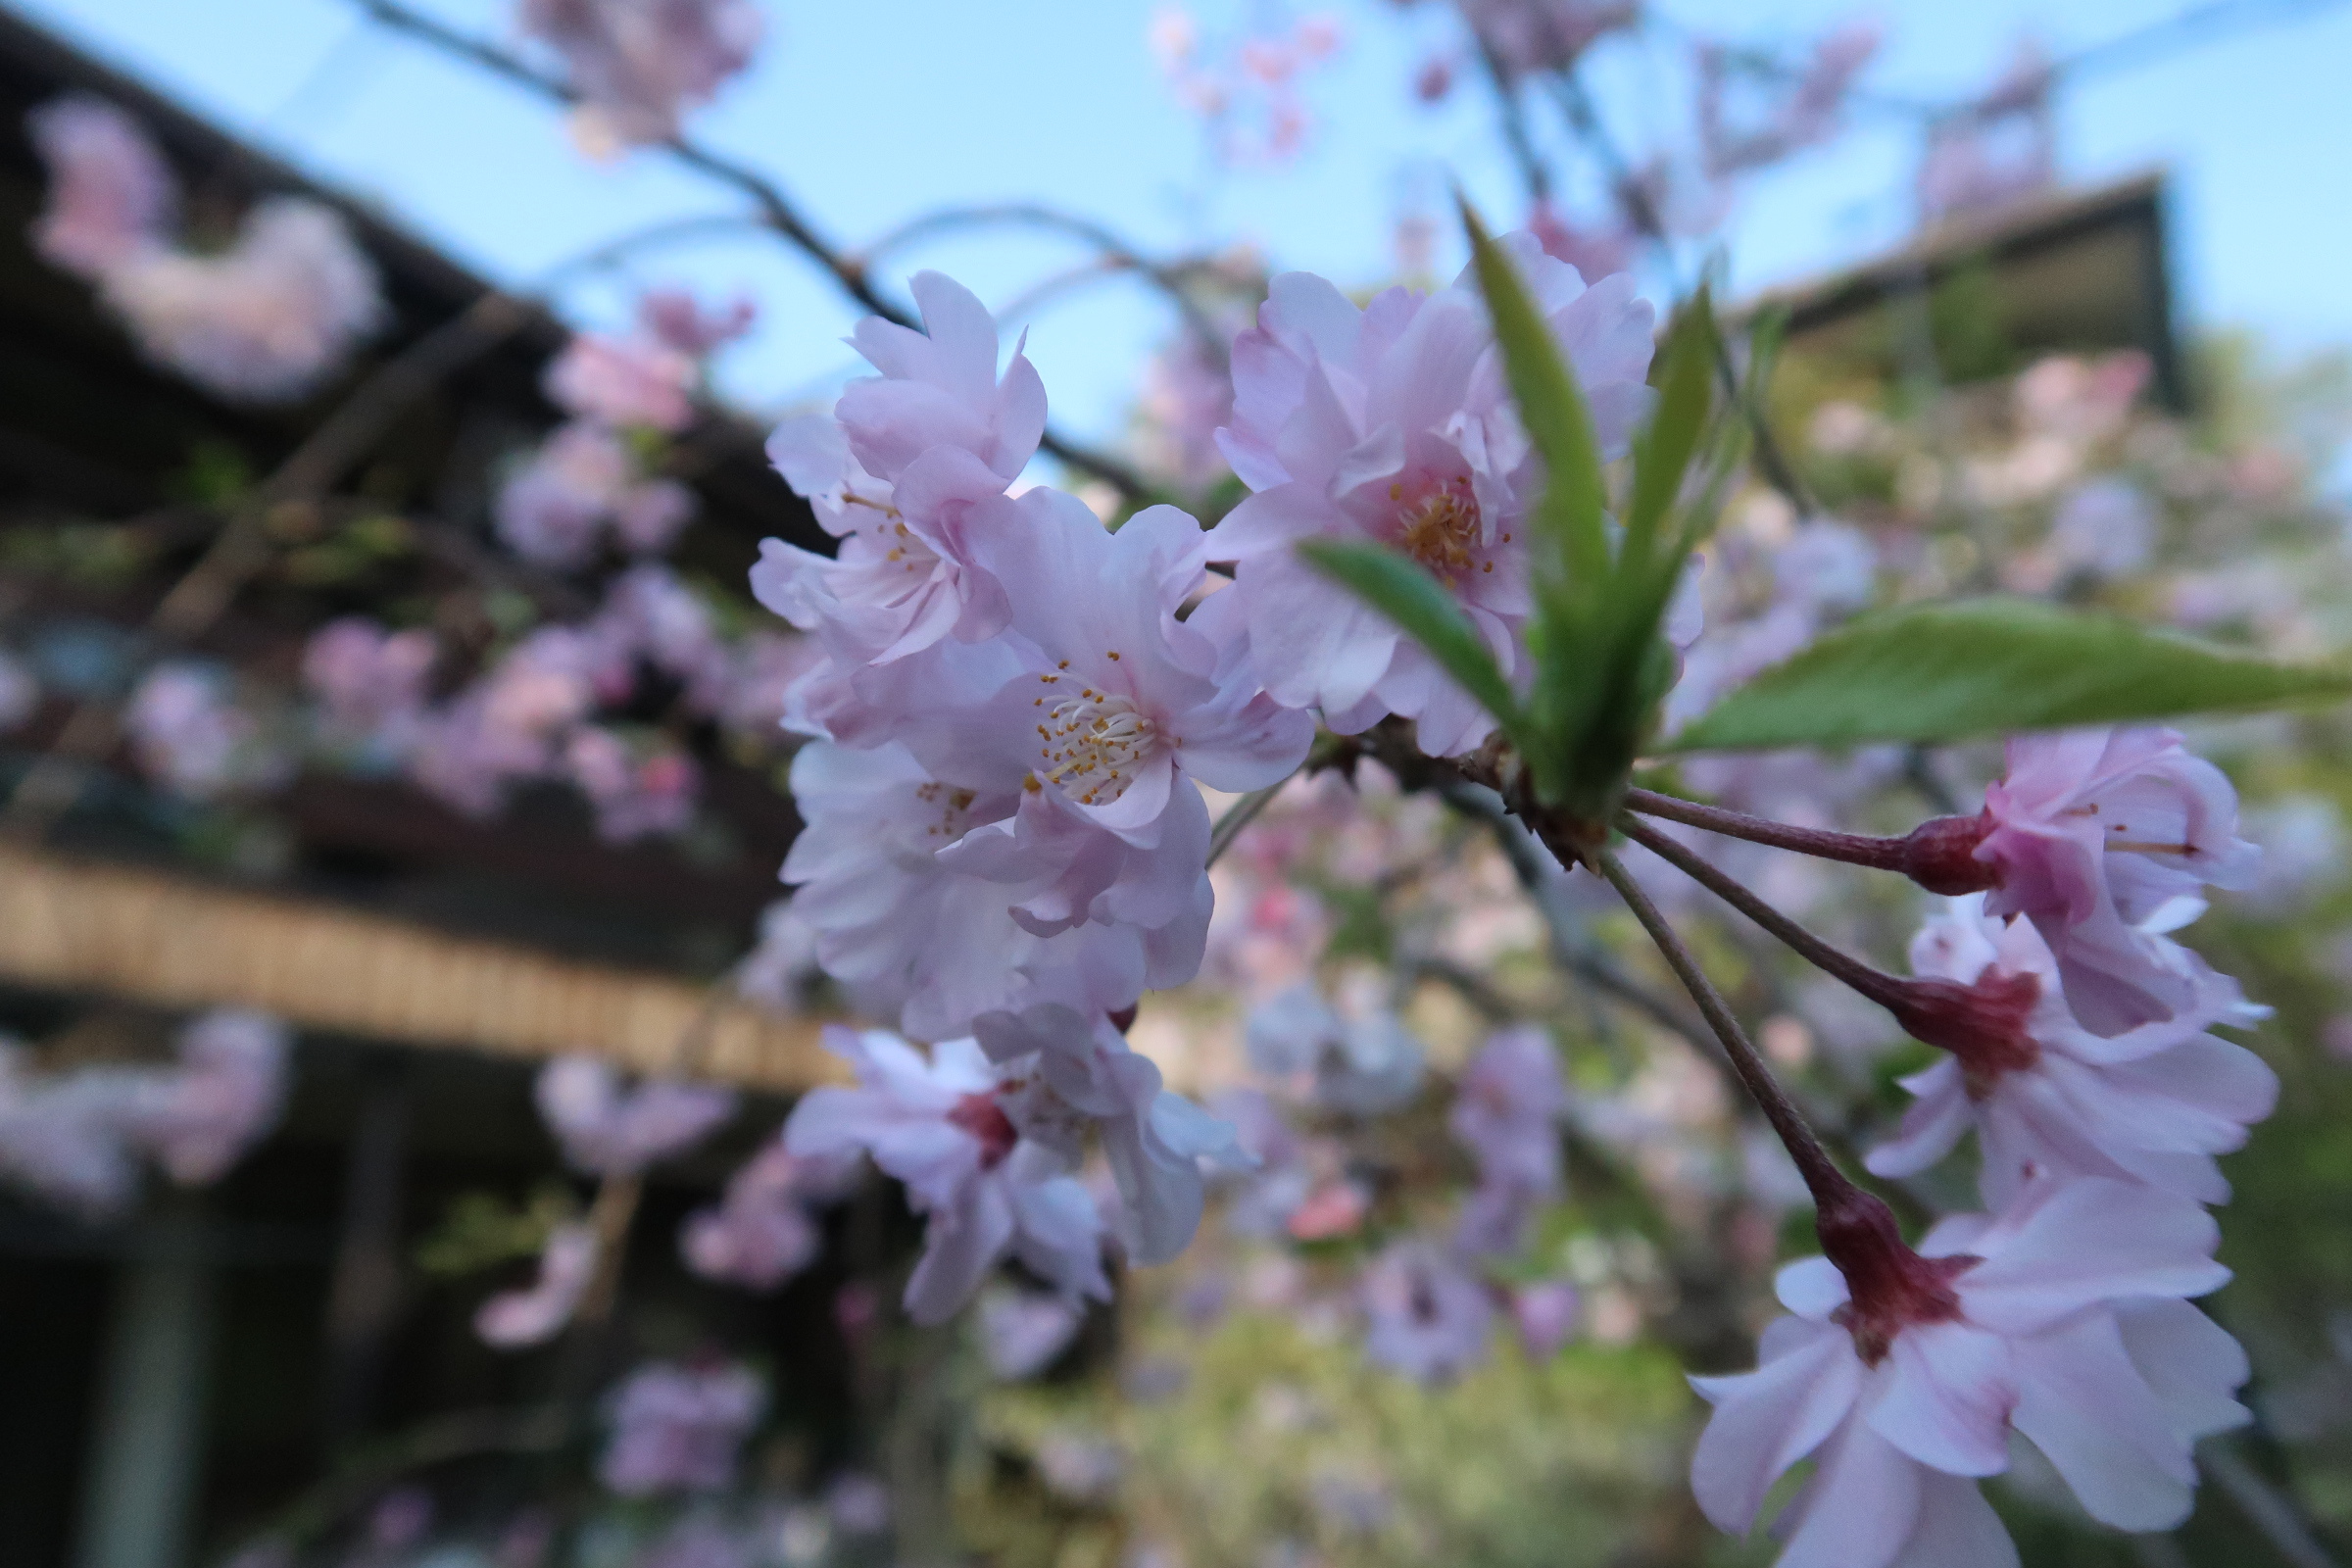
(2080, 1049)
(75, 1138)
(637, 64)
(1246, 91)
(1005, 838)
(589, 482)
(265, 319)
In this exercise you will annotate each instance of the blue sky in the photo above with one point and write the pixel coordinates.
(874, 112)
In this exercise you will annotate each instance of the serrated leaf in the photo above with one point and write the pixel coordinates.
(1993, 666)
(1423, 611)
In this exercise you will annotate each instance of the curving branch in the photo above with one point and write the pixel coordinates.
(776, 210)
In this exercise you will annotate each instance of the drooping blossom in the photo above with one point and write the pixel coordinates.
(1779, 114)
(1392, 422)
(680, 1428)
(507, 725)
(2063, 1320)
(609, 1131)
(583, 481)
(1427, 1318)
(512, 1320)
(1508, 1113)
(762, 1232)
(369, 682)
(1361, 1065)
(1187, 397)
(1260, 1201)
(2046, 1096)
(2091, 834)
(1157, 1142)
(638, 65)
(943, 1126)
(783, 966)
(1524, 37)
(651, 619)
(1024, 1331)
(227, 1092)
(111, 195)
(1246, 90)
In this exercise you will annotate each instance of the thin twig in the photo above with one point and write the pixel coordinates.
(1828, 1184)
(1853, 848)
(2269, 1509)
(776, 210)
(1880, 986)
(1239, 815)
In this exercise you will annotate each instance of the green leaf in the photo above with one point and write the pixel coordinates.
(1991, 666)
(1557, 419)
(1425, 611)
(1663, 453)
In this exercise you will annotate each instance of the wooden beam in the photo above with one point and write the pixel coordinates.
(145, 936)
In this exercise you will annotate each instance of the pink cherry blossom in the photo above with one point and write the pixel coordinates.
(909, 471)
(2063, 1319)
(508, 725)
(1995, 151)
(1156, 1141)
(369, 682)
(678, 1428)
(190, 736)
(61, 1135)
(1187, 397)
(2154, 1103)
(2093, 833)
(1392, 422)
(942, 1126)
(229, 1090)
(676, 318)
(1427, 1318)
(265, 321)
(638, 65)
(761, 1233)
(638, 792)
(609, 1131)
(514, 1320)
(937, 942)
(624, 382)
(111, 195)
(650, 616)
(553, 510)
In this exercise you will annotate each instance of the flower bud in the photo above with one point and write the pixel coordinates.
(1941, 855)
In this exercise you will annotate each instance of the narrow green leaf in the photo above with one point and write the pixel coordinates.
(1423, 611)
(1662, 455)
(1990, 666)
(1554, 414)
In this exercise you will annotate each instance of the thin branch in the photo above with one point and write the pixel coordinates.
(1239, 815)
(1830, 1186)
(776, 210)
(2269, 1509)
(1853, 848)
(1036, 215)
(1880, 986)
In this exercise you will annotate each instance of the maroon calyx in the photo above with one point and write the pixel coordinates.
(1981, 1024)
(1889, 1288)
(985, 1119)
(1941, 854)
